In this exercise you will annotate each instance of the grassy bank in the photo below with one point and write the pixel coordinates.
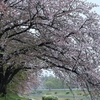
(12, 96)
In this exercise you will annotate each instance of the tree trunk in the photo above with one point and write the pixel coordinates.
(6, 73)
(3, 91)
(2, 85)
(6, 79)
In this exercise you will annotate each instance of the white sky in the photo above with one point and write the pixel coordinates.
(97, 9)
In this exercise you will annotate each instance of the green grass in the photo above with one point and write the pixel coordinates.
(12, 96)
(61, 94)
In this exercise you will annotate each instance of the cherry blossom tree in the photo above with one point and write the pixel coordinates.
(24, 82)
(63, 35)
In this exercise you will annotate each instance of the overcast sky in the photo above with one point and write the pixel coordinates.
(97, 9)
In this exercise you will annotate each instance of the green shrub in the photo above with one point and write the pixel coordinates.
(79, 93)
(67, 92)
(49, 97)
(67, 99)
(39, 92)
